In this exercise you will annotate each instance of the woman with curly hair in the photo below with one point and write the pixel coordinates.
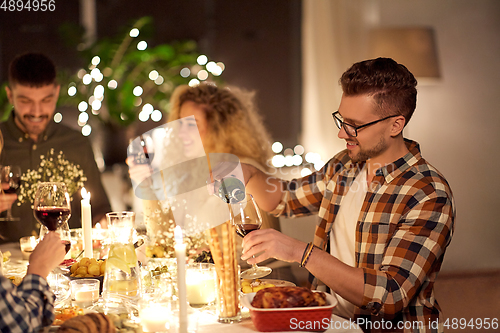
(226, 121)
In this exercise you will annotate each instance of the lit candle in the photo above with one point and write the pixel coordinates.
(27, 245)
(180, 254)
(200, 286)
(86, 224)
(154, 318)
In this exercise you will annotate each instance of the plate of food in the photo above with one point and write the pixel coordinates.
(283, 308)
(252, 286)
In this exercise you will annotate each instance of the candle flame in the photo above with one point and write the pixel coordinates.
(32, 242)
(85, 194)
(178, 235)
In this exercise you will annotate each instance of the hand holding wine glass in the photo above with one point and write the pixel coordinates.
(246, 218)
(10, 179)
(52, 208)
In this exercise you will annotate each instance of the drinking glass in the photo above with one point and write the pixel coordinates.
(11, 175)
(246, 218)
(52, 208)
(122, 278)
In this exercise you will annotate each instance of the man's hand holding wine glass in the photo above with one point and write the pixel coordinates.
(48, 254)
(10, 179)
(6, 199)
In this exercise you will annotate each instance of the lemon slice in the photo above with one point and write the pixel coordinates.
(118, 263)
(125, 253)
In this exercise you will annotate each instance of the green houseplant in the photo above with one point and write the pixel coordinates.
(125, 76)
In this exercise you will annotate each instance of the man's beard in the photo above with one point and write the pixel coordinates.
(366, 154)
(31, 128)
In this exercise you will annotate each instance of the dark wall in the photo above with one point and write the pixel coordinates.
(258, 41)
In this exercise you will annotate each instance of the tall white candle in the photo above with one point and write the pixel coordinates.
(86, 224)
(180, 254)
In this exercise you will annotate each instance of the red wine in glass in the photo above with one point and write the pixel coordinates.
(244, 229)
(14, 184)
(52, 217)
(67, 245)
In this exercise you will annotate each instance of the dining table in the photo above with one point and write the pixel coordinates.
(207, 320)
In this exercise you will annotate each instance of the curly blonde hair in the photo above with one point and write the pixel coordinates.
(234, 126)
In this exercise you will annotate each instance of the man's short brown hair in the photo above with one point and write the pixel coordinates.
(33, 70)
(392, 86)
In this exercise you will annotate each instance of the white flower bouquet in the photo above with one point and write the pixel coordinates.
(52, 168)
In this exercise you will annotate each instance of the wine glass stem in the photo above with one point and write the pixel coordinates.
(9, 213)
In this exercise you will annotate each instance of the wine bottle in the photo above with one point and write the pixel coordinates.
(231, 190)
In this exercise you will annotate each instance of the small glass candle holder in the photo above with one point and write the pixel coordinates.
(154, 314)
(27, 245)
(200, 284)
(84, 292)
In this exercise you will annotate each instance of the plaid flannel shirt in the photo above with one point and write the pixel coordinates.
(405, 224)
(27, 307)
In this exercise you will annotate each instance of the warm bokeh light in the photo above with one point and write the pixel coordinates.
(112, 84)
(87, 79)
(288, 152)
(58, 117)
(96, 60)
(277, 147)
(156, 115)
(137, 101)
(83, 117)
(298, 149)
(202, 60)
(96, 104)
(134, 32)
(86, 130)
(82, 106)
(153, 75)
(137, 91)
(72, 91)
(297, 160)
(305, 172)
(185, 72)
(142, 45)
(99, 92)
(193, 82)
(202, 75)
(159, 80)
(278, 161)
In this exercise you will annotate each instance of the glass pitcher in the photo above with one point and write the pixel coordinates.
(122, 276)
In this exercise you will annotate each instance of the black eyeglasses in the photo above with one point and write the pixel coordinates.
(352, 130)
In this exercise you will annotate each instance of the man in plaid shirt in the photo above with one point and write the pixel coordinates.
(387, 214)
(30, 306)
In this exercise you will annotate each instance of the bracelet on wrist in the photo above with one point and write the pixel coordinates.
(306, 254)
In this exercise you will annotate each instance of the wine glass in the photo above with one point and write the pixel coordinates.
(11, 175)
(142, 149)
(246, 218)
(52, 208)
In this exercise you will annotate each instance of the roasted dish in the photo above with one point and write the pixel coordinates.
(89, 323)
(287, 297)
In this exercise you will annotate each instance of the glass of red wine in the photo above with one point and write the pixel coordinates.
(10, 175)
(52, 208)
(245, 216)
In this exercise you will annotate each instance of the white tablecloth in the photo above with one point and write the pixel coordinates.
(207, 322)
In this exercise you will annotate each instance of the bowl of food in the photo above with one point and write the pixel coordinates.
(290, 309)
(88, 269)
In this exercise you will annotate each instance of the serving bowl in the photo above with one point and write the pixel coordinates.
(313, 318)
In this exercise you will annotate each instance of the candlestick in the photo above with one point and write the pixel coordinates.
(180, 254)
(86, 224)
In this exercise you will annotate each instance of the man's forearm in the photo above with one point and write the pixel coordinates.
(265, 189)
